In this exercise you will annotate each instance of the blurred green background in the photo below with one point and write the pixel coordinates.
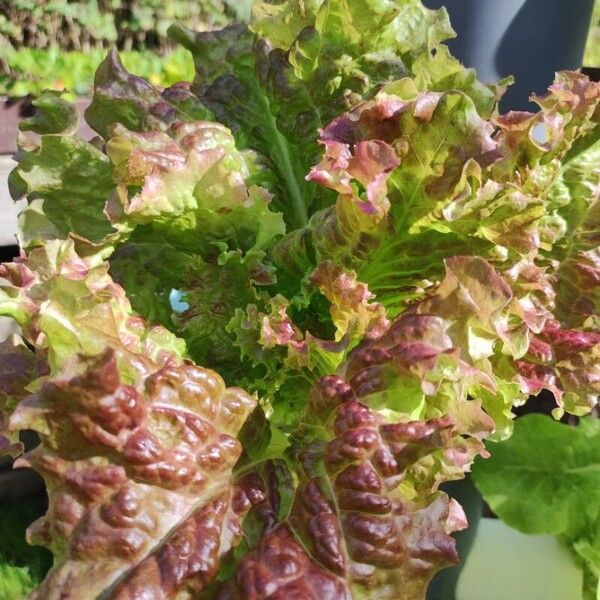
(58, 44)
(592, 52)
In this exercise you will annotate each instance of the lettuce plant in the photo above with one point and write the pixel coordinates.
(267, 313)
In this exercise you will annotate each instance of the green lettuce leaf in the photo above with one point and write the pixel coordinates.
(414, 372)
(285, 338)
(152, 274)
(310, 61)
(53, 115)
(500, 197)
(482, 308)
(352, 311)
(228, 84)
(564, 361)
(67, 183)
(190, 187)
(213, 293)
(546, 479)
(388, 218)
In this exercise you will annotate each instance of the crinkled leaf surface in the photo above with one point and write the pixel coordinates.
(333, 217)
(133, 473)
(310, 61)
(73, 179)
(577, 192)
(355, 478)
(69, 305)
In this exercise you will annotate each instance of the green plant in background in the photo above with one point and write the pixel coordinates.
(86, 24)
(592, 51)
(33, 71)
(546, 479)
(22, 566)
(59, 44)
(55, 23)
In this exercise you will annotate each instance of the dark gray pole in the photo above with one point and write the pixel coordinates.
(530, 39)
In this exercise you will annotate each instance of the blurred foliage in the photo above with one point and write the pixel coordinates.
(87, 24)
(22, 566)
(58, 44)
(31, 71)
(592, 51)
